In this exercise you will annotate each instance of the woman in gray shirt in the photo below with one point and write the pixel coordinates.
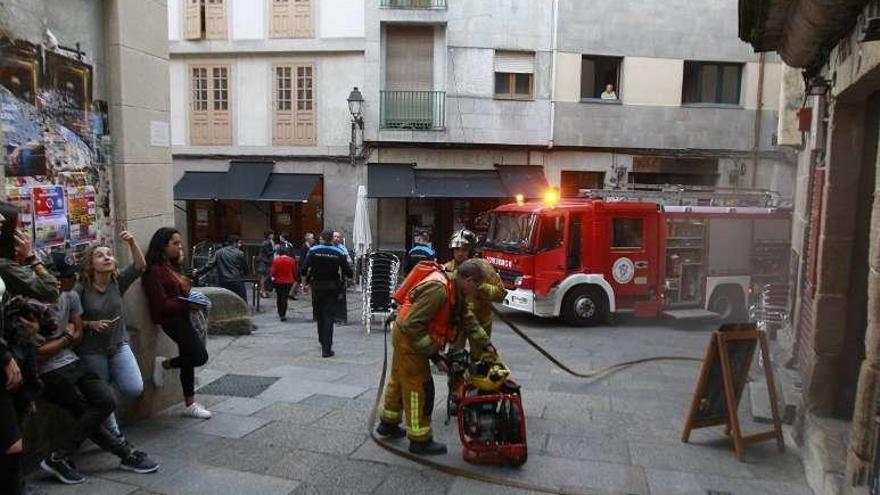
(104, 348)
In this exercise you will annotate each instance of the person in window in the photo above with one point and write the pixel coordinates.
(421, 251)
(609, 93)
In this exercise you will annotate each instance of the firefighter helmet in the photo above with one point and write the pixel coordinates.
(463, 239)
(488, 373)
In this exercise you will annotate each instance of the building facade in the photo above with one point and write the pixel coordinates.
(260, 122)
(502, 97)
(831, 116)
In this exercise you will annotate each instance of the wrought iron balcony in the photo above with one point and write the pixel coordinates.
(413, 4)
(423, 110)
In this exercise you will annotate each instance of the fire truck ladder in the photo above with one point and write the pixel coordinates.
(689, 196)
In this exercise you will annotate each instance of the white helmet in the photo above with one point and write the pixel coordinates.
(463, 239)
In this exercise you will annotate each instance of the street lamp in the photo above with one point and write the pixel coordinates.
(356, 108)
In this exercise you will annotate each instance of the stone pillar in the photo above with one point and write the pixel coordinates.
(836, 241)
(138, 87)
(858, 462)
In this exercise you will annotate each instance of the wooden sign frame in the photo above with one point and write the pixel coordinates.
(730, 351)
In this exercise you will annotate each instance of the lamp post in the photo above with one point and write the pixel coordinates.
(356, 108)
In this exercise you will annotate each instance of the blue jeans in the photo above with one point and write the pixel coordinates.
(120, 369)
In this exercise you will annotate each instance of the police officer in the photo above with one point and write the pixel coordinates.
(431, 308)
(325, 268)
(421, 251)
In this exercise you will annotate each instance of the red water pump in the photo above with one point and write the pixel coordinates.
(491, 421)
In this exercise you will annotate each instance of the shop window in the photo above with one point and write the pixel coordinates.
(626, 233)
(514, 75)
(210, 116)
(600, 78)
(294, 105)
(712, 82)
(574, 180)
(551, 233)
(205, 20)
(292, 19)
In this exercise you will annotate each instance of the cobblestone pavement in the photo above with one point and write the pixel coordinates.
(305, 433)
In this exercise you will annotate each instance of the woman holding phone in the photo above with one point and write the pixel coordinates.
(105, 348)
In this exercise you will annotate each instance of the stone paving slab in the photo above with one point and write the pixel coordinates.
(666, 482)
(241, 406)
(294, 413)
(329, 472)
(229, 425)
(201, 480)
(287, 436)
(92, 486)
(314, 374)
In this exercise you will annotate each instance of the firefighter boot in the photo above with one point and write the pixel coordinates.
(390, 430)
(429, 447)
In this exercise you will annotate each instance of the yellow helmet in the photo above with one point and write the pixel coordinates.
(488, 373)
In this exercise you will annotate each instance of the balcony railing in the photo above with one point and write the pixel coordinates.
(413, 4)
(424, 110)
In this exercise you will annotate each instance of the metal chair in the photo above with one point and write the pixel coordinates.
(380, 281)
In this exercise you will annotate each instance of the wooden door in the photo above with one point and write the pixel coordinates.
(283, 130)
(200, 115)
(304, 131)
(215, 20)
(221, 121)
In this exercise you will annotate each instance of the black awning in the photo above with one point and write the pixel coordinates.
(290, 187)
(391, 180)
(459, 184)
(245, 180)
(527, 180)
(198, 185)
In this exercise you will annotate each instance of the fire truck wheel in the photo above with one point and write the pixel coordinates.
(728, 303)
(584, 306)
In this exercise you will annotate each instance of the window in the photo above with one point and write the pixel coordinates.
(573, 181)
(292, 19)
(551, 233)
(294, 109)
(514, 75)
(626, 233)
(210, 120)
(597, 74)
(712, 82)
(205, 20)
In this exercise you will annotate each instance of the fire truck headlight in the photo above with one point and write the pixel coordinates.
(517, 282)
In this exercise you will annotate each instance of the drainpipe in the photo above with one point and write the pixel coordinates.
(554, 19)
(759, 107)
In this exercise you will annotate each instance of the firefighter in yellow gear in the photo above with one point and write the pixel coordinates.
(431, 314)
(490, 291)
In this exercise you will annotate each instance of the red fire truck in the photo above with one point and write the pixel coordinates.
(616, 251)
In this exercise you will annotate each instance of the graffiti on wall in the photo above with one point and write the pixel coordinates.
(54, 141)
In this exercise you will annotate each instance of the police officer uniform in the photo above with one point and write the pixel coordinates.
(325, 266)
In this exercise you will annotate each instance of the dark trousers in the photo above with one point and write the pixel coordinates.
(192, 352)
(10, 416)
(323, 303)
(281, 293)
(236, 286)
(340, 308)
(89, 400)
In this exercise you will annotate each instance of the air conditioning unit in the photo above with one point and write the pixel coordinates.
(869, 22)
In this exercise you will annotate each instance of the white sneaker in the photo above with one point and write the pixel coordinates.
(196, 410)
(158, 372)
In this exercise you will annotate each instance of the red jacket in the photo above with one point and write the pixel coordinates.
(283, 270)
(163, 286)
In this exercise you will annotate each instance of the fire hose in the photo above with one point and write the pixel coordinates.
(487, 478)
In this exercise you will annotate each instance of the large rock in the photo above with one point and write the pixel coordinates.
(229, 315)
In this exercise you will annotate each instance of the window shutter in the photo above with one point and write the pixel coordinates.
(192, 20)
(284, 104)
(410, 59)
(515, 62)
(282, 19)
(304, 130)
(303, 19)
(215, 20)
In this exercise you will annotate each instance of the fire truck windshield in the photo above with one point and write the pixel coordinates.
(511, 232)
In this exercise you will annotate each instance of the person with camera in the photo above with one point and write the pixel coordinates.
(21, 273)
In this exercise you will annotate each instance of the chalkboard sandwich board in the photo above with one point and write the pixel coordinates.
(722, 379)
